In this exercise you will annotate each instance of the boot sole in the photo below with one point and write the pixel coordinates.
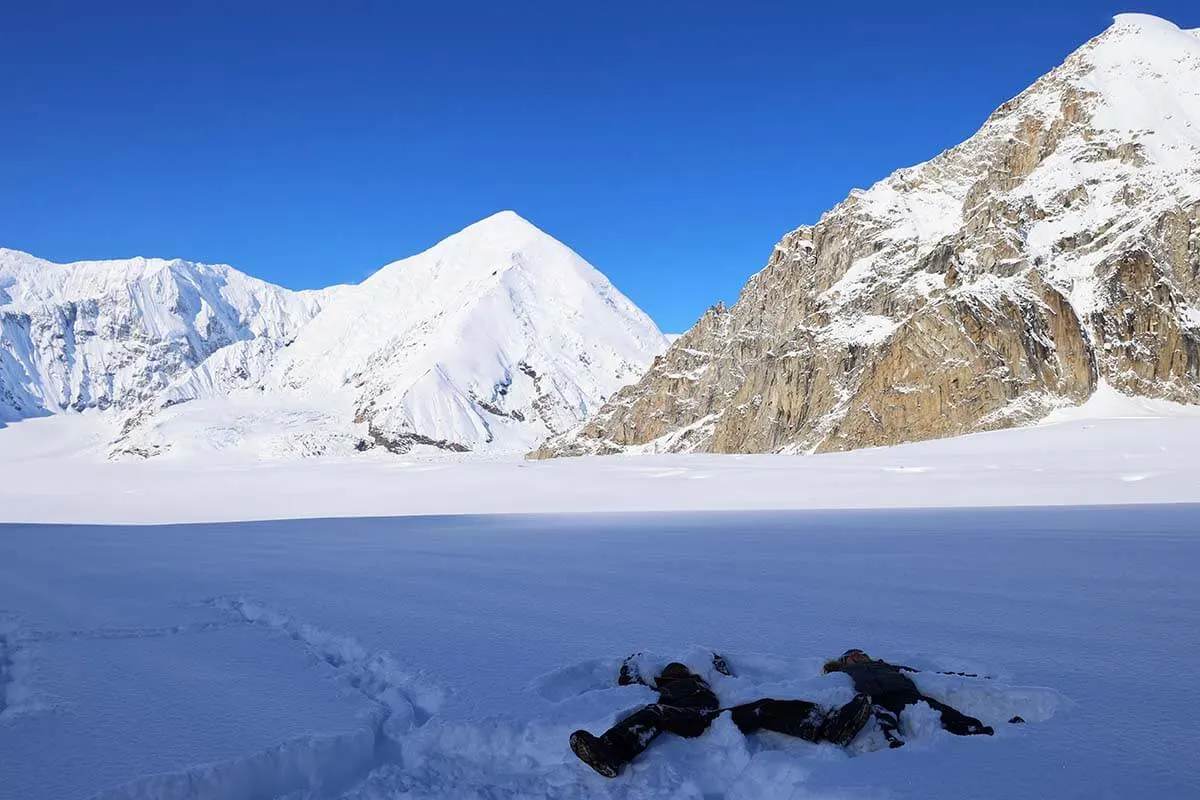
(583, 748)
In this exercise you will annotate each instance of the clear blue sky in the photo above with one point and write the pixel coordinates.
(670, 143)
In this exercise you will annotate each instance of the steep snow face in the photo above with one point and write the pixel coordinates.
(491, 339)
(1057, 247)
(119, 334)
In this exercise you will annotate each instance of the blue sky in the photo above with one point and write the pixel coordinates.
(670, 143)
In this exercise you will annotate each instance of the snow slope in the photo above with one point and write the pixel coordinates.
(491, 339)
(1138, 83)
(451, 657)
(1113, 449)
(122, 334)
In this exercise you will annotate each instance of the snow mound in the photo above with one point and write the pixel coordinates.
(1106, 403)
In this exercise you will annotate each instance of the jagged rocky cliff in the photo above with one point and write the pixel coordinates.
(1056, 248)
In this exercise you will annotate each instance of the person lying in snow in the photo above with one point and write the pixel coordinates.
(687, 706)
(891, 691)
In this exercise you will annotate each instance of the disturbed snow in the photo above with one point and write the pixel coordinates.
(451, 657)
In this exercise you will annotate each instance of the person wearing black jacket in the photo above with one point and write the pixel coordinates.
(687, 706)
(891, 691)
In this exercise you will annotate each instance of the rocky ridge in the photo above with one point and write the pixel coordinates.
(1057, 248)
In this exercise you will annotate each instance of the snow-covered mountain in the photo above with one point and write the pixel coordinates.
(1055, 250)
(122, 334)
(490, 340)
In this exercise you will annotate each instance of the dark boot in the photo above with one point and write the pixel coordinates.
(843, 725)
(593, 751)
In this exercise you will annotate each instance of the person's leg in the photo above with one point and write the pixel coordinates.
(889, 724)
(804, 720)
(632, 735)
(621, 743)
(688, 722)
(957, 722)
(624, 741)
(793, 717)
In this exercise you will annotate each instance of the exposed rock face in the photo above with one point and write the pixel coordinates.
(1057, 247)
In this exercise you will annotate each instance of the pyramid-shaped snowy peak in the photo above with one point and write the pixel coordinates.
(491, 339)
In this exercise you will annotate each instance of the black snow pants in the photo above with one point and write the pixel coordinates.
(632, 735)
(953, 720)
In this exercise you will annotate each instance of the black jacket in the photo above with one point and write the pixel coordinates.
(690, 692)
(886, 683)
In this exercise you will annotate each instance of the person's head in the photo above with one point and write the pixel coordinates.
(851, 656)
(673, 672)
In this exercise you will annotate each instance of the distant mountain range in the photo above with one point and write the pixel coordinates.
(489, 341)
(1055, 251)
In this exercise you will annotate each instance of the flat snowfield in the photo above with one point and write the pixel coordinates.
(1112, 450)
(426, 657)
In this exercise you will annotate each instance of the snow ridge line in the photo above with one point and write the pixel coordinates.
(311, 767)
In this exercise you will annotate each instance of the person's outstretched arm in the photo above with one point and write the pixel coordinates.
(903, 668)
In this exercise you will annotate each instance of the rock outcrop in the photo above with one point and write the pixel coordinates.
(1056, 248)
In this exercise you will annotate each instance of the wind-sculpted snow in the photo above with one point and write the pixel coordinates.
(17, 694)
(404, 700)
(6, 670)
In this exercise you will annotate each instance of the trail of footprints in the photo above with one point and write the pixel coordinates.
(318, 766)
